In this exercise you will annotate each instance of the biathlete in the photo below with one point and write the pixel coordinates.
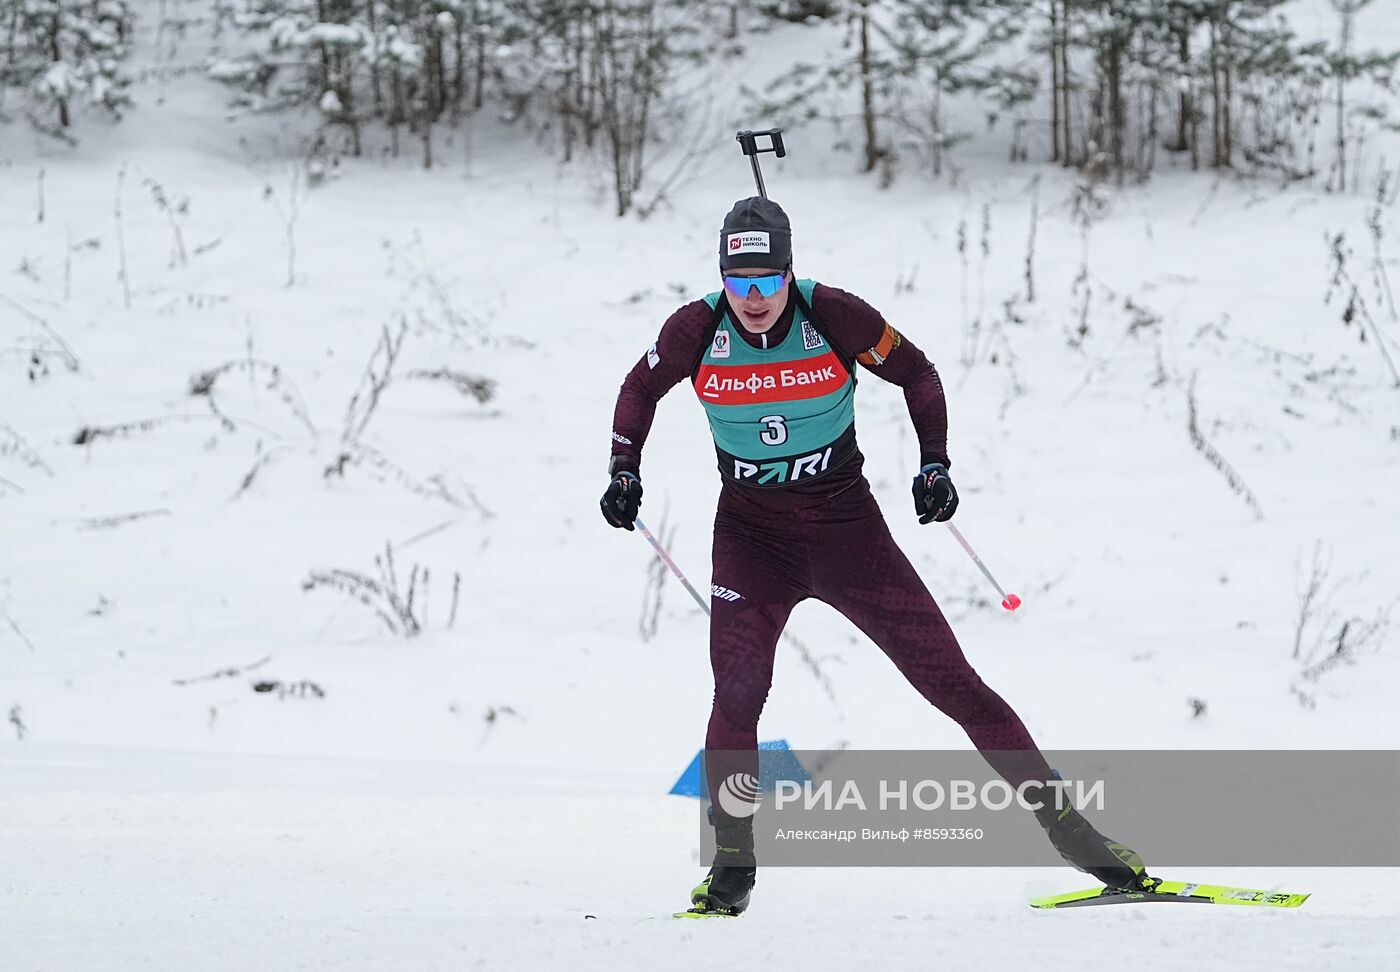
(772, 359)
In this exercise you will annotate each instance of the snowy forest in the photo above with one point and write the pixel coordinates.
(1223, 83)
(314, 648)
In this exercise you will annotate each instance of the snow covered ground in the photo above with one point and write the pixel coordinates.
(467, 796)
(121, 858)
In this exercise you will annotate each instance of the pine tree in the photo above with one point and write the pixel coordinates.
(61, 53)
(404, 62)
(1345, 65)
(904, 58)
(942, 48)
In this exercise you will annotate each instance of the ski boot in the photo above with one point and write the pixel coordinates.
(1087, 850)
(726, 889)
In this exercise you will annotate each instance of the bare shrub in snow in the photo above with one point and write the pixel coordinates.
(36, 350)
(1089, 206)
(373, 381)
(378, 375)
(1356, 309)
(274, 380)
(384, 599)
(1385, 182)
(1331, 631)
(353, 452)
(402, 606)
(13, 445)
(1310, 588)
(654, 587)
(288, 206)
(1353, 637)
(173, 210)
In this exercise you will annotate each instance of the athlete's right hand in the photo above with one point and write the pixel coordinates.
(622, 500)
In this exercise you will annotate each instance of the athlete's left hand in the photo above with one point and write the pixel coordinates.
(935, 498)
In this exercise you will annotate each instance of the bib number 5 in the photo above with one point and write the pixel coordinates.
(776, 432)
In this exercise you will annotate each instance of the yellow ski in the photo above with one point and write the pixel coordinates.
(1180, 892)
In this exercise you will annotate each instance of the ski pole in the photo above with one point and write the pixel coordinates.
(1009, 601)
(666, 558)
(806, 655)
(748, 141)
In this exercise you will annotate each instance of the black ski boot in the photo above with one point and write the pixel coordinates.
(725, 890)
(1087, 850)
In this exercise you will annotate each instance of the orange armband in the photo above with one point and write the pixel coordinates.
(877, 355)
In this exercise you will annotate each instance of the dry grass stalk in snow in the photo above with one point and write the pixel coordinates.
(1213, 456)
(122, 272)
(232, 671)
(89, 434)
(1311, 589)
(203, 384)
(14, 444)
(18, 722)
(302, 689)
(117, 519)
(179, 256)
(379, 370)
(14, 626)
(471, 386)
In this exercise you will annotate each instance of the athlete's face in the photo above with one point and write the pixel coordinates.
(756, 312)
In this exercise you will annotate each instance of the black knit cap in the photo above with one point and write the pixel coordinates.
(756, 233)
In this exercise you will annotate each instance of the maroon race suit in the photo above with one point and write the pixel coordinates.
(823, 538)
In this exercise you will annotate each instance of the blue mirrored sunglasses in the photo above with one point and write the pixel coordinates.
(767, 286)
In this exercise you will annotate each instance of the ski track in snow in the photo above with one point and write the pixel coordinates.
(465, 798)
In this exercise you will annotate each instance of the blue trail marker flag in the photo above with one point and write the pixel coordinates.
(776, 761)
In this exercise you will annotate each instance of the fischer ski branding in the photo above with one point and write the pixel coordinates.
(1180, 892)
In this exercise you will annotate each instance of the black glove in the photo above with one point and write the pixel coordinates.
(622, 500)
(934, 495)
